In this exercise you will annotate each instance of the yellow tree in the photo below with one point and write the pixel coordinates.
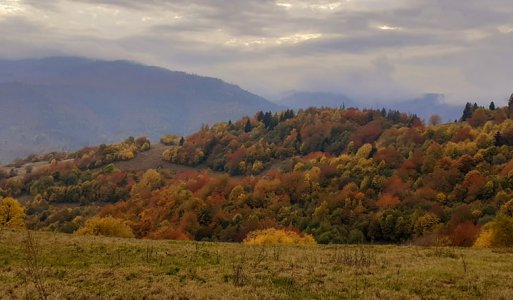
(12, 213)
(106, 226)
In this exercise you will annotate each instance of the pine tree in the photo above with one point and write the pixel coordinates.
(510, 106)
(248, 127)
(499, 140)
(259, 116)
(467, 112)
(492, 106)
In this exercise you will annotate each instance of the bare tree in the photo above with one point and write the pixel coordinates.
(435, 120)
(33, 265)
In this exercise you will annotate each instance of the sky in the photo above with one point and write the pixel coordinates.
(366, 49)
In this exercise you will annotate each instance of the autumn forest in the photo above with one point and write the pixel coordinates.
(339, 175)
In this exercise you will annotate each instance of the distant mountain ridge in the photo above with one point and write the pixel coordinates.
(63, 103)
(423, 106)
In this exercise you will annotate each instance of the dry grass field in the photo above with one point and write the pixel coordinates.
(57, 266)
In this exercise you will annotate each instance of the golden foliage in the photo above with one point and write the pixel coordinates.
(12, 213)
(106, 226)
(170, 140)
(484, 239)
(277, 236)
(496, 234)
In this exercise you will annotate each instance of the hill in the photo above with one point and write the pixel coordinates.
(341, 175)
(64, 103)
(424, 106)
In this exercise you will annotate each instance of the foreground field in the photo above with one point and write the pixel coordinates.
(67, 266)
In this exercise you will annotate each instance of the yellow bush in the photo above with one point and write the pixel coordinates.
(484, 240)
(170, 140)
(12, 213)
(106, 226)
(496, 234)
(126, 154)
(277, 236)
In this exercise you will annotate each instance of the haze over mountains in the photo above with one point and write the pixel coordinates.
(423, 106)
(64, 103)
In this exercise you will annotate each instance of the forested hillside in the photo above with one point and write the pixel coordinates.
(342, 175)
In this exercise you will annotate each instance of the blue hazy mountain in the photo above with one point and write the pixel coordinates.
(63, 103)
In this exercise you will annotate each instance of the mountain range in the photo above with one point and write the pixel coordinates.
(63, 103)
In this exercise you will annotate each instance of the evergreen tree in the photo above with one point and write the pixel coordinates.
(182, 140)
(492, 106)
(248, 127)
(259, 116)
(467, 112)
(499, 140)
(510, 106)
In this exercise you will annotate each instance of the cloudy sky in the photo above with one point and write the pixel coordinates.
(372, 49)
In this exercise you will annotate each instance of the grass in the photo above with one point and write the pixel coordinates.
(79, 267)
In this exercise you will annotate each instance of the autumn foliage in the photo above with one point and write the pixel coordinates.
(106, 226)
(277, 236)
(12, 213)
(339, 175)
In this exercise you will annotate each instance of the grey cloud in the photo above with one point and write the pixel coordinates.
(432, 38)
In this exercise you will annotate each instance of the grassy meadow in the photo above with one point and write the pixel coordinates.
(58, 266)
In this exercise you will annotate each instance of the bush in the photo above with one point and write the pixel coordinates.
(277, 236)
(496, 234)
(12, 213)
(170, 140)
(465, 234)
(106, 226)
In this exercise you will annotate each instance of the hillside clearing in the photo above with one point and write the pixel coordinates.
(84, 267)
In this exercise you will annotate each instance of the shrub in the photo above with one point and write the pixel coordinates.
(12, 213)
(496, 234)
(106, 226)
(465, 234)
(170, 140)
(277, 236)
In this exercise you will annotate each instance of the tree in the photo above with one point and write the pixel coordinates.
(106, 226)
(12, 213)
(510, 106)
(491, 106)
(388, 200)
(434, 120)
(169, 140)
(499, 140)
(150, 181)
(247, 126)
(496, 233)
(478, 118)
(467, 112)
